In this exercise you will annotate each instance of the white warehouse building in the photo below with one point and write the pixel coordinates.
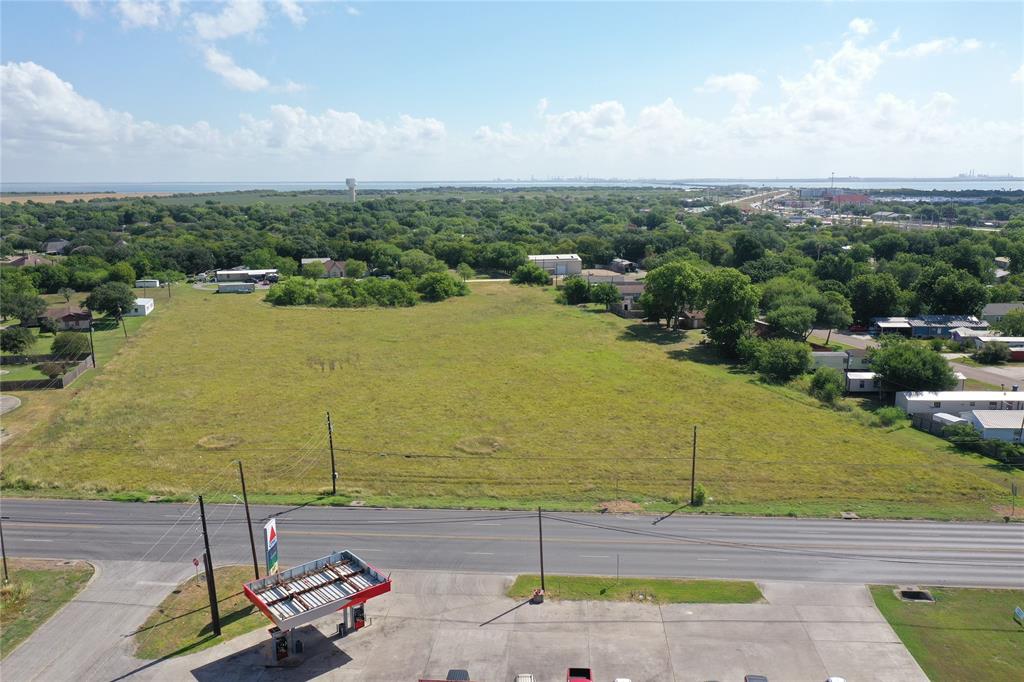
(955, 402)
(559, 263)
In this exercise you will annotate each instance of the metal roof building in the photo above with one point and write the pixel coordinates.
(314, 589)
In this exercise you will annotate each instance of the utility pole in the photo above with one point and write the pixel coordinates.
(540, 535)
(211, 585)
(334, 470)
(693, 466)
(3, 552)
(248, 522)
(123, 327)
(92, 348)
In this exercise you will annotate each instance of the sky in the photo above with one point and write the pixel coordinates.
(243, 90)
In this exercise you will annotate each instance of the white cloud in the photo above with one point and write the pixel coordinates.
(1018, 75)
(861, 27)
(352, 11)
(238, 17)
(293, 10)
(603, 121)
(146, 13)
(742, 85)
(234, 75)
(542, 106)
(83, 8)
(45, 118)
(938, 46)
(292, 86)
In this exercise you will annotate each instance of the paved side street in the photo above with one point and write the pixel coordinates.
(435, 621)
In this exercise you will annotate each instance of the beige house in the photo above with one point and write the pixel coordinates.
(559, 264)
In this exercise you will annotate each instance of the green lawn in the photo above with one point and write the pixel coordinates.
(37, 590)
(657, 590)
(498, 399)
(181, 624)
(967, 634)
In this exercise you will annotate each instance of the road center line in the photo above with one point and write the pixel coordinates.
(482, 553)
(594, 556)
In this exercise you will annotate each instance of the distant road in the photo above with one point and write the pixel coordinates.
(506, 542)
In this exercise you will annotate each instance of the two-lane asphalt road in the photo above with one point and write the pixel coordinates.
(506, 542)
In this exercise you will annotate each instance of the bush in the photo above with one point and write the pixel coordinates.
(827, 385)
(937, 345)
(699, 496)
(437, 286)
(465, 271)
(888, 416)
(575, 290)
(780, 360)
(52, 369)
(70, 345)
(389, 293)
(605, 293)
(293, 291)
(992, 353)
(16, 340)
(48, 325)
(531, 274)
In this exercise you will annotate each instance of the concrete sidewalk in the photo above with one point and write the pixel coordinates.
(433, 622)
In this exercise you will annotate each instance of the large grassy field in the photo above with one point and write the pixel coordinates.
(501, 398)
(967, 634)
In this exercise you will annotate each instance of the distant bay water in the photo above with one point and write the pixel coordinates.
(943, 184)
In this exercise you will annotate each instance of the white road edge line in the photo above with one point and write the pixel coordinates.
(594, 556)
(482, 553)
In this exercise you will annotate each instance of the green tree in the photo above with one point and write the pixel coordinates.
(503, 256)
(48, 325)
(671, 289)
(16, 340)
(958, 294)
(781, 360)
(793, 321)
(730, 306)
(121, 272)
(465, 271)
(419, 262)
(576, 290)
(531, 273)
(437, 286)
(1012, 323)
(292, 291)
(70, 345)
(606, 293)
(113, 299)
(314, 270)
(992, 353)
(827, 385)
(833, 312)
(904, 365)
(26, 307)
(66, 294)
(355, 268)
(874, 295)
(52, 369)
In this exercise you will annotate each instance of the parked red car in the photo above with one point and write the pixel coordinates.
(579, 675)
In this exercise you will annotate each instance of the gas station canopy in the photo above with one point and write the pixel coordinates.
(314, 589)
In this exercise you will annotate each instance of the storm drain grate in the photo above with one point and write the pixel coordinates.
(915, 594)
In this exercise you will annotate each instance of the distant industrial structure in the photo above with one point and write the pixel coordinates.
(351, 182)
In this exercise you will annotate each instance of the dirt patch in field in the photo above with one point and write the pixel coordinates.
(480, 445)
(54, 198)
(620, 506)
(1004, 510)
(217, 442)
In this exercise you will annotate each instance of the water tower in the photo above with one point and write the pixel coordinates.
(351, 182)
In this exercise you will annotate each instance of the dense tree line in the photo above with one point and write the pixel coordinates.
(804, 275)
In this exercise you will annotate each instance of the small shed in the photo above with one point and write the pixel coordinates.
(862, 382)
(141, 307)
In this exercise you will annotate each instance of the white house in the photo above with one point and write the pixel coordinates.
(861, 382)
(827, 358)
(994, 312)
(961, 334)
(955, 402)
(141, 308)
(980, 341)
(236, 288)
(558, 263)
(1003, 425)
(245, 275)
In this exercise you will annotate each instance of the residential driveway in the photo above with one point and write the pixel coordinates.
(435, 621)
(88, 638)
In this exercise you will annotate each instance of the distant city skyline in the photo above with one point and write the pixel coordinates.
(252, 91)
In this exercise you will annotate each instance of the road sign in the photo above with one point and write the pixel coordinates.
(1018, 615)
(195, 562)
(270, 543)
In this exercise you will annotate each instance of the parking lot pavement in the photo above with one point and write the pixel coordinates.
(435, 621)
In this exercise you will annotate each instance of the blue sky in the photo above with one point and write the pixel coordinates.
(250, 90)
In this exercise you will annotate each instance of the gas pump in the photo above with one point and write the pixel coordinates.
(285, 648)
